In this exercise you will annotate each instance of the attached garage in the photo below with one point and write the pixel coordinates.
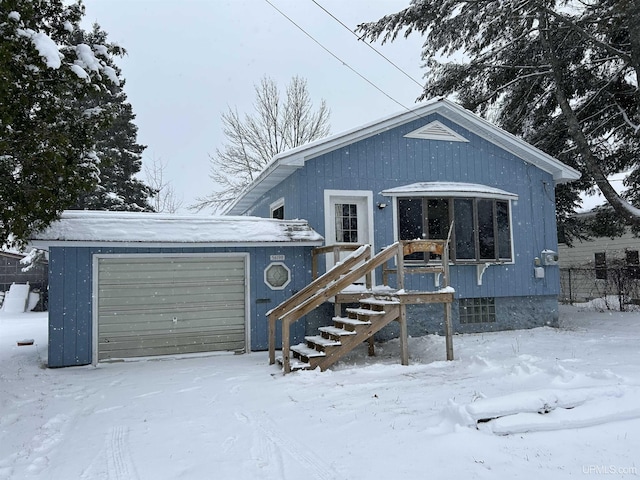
(170, 304)
(128, 285)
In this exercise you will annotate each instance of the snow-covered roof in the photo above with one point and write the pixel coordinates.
(286, 163)
(448, 189)
(109, 228)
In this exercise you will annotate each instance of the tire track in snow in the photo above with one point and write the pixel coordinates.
(119, 463)
(270, 444)
(113, 462)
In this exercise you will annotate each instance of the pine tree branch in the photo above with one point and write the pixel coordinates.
(591, 163)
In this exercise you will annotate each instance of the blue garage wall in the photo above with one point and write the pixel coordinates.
(71, 284)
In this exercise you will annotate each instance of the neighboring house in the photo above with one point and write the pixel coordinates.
(600, 267)
(11, 271)
(142, 284)
(410, 176)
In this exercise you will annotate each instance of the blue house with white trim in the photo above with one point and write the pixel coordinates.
(412, 176)
(137, 284)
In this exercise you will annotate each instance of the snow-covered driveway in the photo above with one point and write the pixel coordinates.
(540, 403)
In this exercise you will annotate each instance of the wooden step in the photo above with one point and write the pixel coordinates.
(295, 364)
(379, 301)
(306, 352)
(350, 321)
(335, 333)
(322, 341)
(364, 311)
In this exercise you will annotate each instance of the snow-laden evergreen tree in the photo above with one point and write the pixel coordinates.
(119, 154)
(562, 74)
(48, 120)
(278, 124)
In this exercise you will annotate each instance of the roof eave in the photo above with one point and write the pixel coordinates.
(43, 244)
(293, 159)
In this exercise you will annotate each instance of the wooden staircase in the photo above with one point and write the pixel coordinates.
(335, 341)
(373, 313)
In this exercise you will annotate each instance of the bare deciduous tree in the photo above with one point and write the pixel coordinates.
(164, 199)
(253, 140)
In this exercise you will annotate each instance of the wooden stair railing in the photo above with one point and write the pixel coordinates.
(354, 267)
(335, 251)
(318, 292)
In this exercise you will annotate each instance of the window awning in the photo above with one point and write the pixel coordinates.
(449, 189)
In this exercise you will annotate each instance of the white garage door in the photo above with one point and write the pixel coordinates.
(161, 305)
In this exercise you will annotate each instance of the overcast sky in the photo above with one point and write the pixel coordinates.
(189, 60)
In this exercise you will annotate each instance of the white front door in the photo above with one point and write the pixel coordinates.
(348, 219)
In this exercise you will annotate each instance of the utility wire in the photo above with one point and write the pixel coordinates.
(338, 58)
(361, 39)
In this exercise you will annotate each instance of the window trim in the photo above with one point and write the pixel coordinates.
(275, 206)
(452, 195)
(347, 195)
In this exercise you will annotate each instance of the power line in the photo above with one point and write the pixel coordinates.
(361, 39)
(337, 58)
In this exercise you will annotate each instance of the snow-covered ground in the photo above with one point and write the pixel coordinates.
(533, 404)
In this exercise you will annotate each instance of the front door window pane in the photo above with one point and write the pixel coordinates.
(346, 223)
(464, 229)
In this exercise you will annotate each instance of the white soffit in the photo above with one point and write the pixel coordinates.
(436, 131)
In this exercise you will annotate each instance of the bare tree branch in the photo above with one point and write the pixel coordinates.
(164, 199)
(277, 124)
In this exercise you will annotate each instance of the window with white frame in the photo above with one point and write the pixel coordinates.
(276, 209)
(481, 226)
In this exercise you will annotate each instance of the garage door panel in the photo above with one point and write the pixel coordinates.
(139, 297)
(169, 302)
(112, 332)
(148, 322)
(171, 345)
(214, 276)
(196, 268)
(145, 291)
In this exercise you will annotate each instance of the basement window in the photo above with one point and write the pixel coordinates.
(477, 310)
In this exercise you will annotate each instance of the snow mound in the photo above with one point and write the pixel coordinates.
(547, 410)
(15, 300)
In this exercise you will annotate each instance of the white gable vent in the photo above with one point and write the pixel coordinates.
(436, 131)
